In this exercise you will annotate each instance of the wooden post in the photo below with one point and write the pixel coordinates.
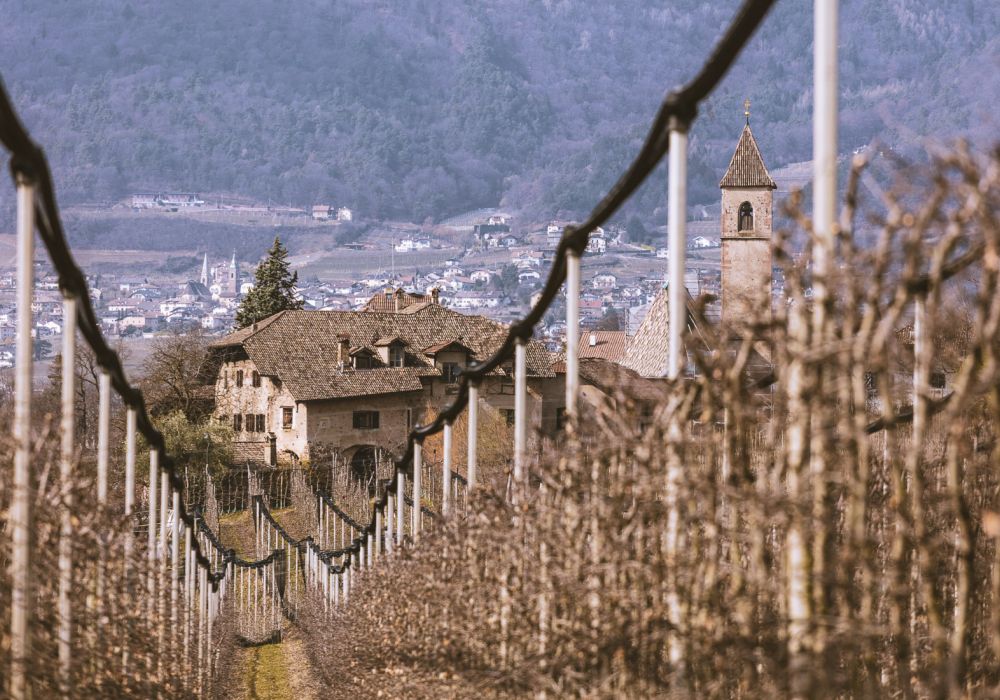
(418, 466)
(103, 435)
(473, 435)
(572, 332)
(400, 499)
(446, 472)
(20, 510)
(66, 458)
(520, 409)
(677, 248)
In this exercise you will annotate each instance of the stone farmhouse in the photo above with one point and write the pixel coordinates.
(354, 382)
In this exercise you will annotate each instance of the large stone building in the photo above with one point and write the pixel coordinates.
(351, 383)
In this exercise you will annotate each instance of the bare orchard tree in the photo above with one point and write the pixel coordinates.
(172, 376)
(827, 527)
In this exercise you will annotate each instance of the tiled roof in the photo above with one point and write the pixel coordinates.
(608, 345)
(444, 345)
(386, 301)
(300, 348)
(747, 168)
(647, 351)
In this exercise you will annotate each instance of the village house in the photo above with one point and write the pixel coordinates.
(351, 383)
(408, 244)
(321, 212)
(167, 200)
(597, 244)
(604, 280)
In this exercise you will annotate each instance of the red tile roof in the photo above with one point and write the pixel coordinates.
(608, 345)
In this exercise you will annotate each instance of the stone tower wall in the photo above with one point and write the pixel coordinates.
(746, 256)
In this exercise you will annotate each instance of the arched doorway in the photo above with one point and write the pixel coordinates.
(363, 464)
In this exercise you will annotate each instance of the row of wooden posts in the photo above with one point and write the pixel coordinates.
(202, 593)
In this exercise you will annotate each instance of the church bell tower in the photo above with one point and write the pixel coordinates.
(747, 199)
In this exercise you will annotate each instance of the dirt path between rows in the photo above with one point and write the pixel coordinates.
(279, 671)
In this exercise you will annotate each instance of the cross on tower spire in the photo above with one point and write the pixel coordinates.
(746, 110)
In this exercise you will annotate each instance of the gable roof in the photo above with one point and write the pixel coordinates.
(445, 345)
(300, 348)
(648, 350)
(747, 169)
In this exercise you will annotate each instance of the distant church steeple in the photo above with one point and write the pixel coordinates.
(204, 270)
(747, 200)
(234, 276)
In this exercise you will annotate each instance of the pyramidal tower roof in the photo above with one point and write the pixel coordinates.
(747, 168)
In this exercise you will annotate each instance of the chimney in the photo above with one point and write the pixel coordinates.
(398, 299)
(435, 296)
(343, 350)
(593, 338)
(270, 451)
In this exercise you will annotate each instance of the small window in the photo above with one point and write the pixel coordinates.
(286, 417)
(239, 378)
(260, 422)
(450, 370)
(365, 420)
(507, 378)
(397, 356)
(746, 217)
(237, 422)
(251, 423)
(508, 415)
(937, 380)
(560, 418)
(409, 418)
(255, 378)
(363, 361)
(225, 379)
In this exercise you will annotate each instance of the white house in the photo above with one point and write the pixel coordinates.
(597, 244)
(605, 280)
(345, 214)
(408, 244)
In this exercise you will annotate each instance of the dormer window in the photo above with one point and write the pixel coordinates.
(745, 217)
(397, 356)
(364, 360)
(392, 351)
(450, 372)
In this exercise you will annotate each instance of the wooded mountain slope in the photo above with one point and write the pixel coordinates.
(429, 107)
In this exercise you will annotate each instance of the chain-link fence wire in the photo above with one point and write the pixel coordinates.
(794, 520)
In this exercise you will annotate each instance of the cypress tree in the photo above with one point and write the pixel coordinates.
(273, 288)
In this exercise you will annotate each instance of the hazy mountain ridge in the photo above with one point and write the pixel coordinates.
(427, 108)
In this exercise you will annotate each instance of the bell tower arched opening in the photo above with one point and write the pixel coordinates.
(745, 217)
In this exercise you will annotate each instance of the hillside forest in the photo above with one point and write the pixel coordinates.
(422, 109)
